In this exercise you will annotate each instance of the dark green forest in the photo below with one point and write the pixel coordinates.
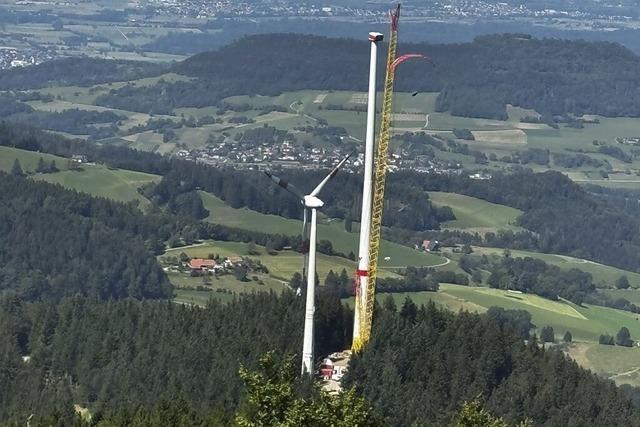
(552, 76)
(58, 243)
(421, 366)
(125, 354)
(75, 71)
(423, 361)
(475, 79)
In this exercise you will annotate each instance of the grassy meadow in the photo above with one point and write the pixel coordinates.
(117, 184)
(474, 214)
(98, 180)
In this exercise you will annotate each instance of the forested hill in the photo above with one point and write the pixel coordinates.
(477, 78)
(420, 367)
(75, 71)
(422, 360)
(57, 243)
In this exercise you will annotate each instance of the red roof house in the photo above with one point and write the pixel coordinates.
(202, 264)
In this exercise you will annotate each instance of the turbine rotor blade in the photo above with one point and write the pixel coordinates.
(286, 185)
(305, 244)
(333, 173)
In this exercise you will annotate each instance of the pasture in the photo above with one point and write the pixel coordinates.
(116, 184)
(620, 364)
(412, 114)
(28, 159)
(474, 214)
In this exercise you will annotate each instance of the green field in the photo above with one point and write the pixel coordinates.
(28, 159)
(98, 180)
(333, 230)
(474, 214)
(116, 184)
(631, 295)
(603, 275)
(586, 323)
(621, 364)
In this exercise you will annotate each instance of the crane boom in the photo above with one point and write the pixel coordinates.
(365, 311)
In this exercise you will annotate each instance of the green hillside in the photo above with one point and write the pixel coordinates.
(100, 181)
(28, 159)
(329, 229)
(474, 214)
(586, 323)
(614, 362)
(602, 274)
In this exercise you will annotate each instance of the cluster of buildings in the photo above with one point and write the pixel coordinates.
(11, 57)
(206, 265)
(438, 9)
(267, 8)
(285, 154)
(291, 155)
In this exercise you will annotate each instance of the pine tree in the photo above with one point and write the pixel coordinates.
(272, 400)
(547, 334)
(348, 224)
(408, 311)
(41, 168)
(332, 282)
(296, 281)
(16, 170)
(622, 283)
(623, 338)
(389, 304)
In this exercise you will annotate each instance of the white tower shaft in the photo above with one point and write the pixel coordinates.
(367, 189)
(307, 346)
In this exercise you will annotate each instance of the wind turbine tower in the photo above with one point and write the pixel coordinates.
(313, 203)
(362, 273)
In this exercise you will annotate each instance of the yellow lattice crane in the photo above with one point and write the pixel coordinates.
(364, 303)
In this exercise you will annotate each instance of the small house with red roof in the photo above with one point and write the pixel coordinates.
(202, 264)
(430, 245)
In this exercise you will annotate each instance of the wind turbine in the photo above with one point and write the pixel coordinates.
(313, 203)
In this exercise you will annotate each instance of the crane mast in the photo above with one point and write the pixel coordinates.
(365, 298)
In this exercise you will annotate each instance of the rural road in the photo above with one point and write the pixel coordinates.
(621, 374)
(442, 264)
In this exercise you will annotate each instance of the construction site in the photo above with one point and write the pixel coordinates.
(376, 155)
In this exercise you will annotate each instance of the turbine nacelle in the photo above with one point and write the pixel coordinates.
(312, 202)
